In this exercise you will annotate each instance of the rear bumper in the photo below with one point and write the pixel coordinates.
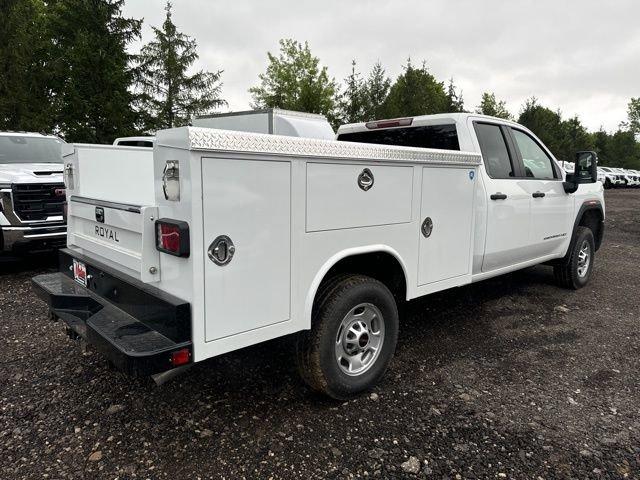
(137, 327)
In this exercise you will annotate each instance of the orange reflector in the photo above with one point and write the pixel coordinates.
(180, 357)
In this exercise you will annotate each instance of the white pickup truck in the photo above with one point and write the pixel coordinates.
(216, 240)
(32, 193)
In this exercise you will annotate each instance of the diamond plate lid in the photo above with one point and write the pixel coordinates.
(209, 139)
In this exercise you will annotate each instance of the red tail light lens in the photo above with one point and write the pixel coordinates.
(180, 357)
(172, 237)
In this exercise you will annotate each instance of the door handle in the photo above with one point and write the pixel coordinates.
(537, 194)
(498, 196)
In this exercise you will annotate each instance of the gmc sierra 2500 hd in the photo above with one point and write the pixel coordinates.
(217, 240)
(32, 192)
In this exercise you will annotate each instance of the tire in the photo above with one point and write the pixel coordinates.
(352, 315)
(607, 184)
(575, 272)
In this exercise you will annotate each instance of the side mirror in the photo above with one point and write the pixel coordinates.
(585, 171)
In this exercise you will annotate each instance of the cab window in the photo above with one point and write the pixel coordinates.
(495, 154)
(444, 137)
(536, 162)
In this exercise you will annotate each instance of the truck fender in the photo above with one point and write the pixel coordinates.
(333, 260)
(588, 205)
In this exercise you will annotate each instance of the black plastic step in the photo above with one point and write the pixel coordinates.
(127, 333)
(131, 343)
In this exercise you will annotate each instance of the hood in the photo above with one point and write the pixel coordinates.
(30, 172)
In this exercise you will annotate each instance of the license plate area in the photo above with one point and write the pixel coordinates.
(80, 272)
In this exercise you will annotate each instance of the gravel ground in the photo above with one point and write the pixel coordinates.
(509, 378)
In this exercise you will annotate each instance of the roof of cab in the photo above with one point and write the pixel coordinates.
(420, 120)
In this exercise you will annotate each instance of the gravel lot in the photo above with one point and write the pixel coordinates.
(509, 378)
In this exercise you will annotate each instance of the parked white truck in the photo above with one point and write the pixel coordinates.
(32, 192)
(217, 240)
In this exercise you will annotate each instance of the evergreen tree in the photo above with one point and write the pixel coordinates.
(633, 114)
(545, 123)
(489, 105)
(416, 92)
(376, 91)
(455, 102)
(25, 94)
(623, 150)
(574, 139)
(169, 96)
(295, 80)
(90, 69)
(351, 103)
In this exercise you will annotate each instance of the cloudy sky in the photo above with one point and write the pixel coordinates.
(580, 56)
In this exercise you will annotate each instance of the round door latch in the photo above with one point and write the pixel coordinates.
(427, 227)
(365, 179)
(221, 250)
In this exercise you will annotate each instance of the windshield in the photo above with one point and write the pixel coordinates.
(25, 149)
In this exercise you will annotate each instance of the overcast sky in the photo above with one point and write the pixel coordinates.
(580, 56)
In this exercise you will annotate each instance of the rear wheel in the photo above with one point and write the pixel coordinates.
(352, 338)
(607, 183)
(576, 271)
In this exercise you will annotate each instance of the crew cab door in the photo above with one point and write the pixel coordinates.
(508, 201)
(551, 206)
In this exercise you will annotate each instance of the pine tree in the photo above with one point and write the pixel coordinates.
(169, 96)
(490, 106)
(90, 69)
(454, 99)
(633, 116)
(376, 91)
(351, 103)
(416, 92)
(25, 94)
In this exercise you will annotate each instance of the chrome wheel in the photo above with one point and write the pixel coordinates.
(359, 339)
(584, 259)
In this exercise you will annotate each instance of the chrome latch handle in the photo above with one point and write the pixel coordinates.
(365, 179)
(427, 227)
(221, 250)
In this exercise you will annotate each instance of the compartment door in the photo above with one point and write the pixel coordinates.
(447, 200)
(246, 206)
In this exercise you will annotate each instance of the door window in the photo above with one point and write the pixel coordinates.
(494, 151)
(537, 164)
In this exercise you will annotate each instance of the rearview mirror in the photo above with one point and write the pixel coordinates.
(585, 171)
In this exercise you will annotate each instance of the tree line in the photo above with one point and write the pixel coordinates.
(65, 67)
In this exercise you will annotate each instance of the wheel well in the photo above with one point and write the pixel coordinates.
(593, 219)
(382, 266)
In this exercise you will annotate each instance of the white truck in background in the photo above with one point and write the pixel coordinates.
(216, 239)
(32, 193)
(274, 121)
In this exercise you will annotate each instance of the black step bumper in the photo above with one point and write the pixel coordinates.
(142, 330)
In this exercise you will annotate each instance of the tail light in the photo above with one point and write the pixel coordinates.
(172, 237)
(180, 357)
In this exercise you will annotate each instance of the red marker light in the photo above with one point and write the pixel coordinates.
(397, 122)
(180, 357)
(172, 237)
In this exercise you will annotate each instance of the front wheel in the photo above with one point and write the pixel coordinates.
(575, 272)
(352, 338)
